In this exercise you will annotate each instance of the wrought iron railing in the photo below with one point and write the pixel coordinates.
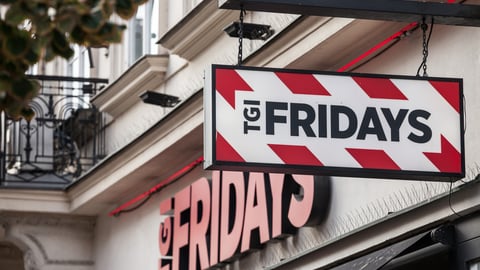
(65, 138)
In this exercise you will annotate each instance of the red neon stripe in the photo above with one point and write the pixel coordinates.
(448, 160)
(227, 82)
(378, 46)
(295, 154)
(157, 187)
(302, 84)
(449, 91)
(373, 159)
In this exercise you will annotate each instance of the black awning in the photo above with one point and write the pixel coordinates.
(376, 260)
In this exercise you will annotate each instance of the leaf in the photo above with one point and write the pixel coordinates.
(60, 45)
(41, 9)
(78, 35)
(49, 54)
(112, 32)
(7, 2)
(107, 8)
(17, 44)
(15, 14)
(3, 94)
(91, 23)
(14, 110)
(139, 2)
(24, 89)
(31, 57)
(43, 26)
(65, 22)
(125, 9)
(27, 113)
(50, 34)
(5, 85)
(92, 3)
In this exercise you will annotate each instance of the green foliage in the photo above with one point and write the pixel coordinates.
(40, 30)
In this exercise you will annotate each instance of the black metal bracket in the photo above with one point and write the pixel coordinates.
(388, 10)
(444, 234)
(159, 99)
(250, 30)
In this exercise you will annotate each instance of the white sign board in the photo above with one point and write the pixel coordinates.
(358, 125)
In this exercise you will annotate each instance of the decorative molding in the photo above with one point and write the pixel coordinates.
(146, 74)
(43, 219)
(29, 260)
(197, 29)
(56, 262)
(47, 201)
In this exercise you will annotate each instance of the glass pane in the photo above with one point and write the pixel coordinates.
(143, 31)
(138, 28)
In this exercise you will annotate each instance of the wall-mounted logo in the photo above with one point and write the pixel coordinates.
(212, 222)
(333, 123)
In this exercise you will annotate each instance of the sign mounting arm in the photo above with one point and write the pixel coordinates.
(389, 10)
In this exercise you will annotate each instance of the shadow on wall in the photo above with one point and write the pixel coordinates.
(11, 257)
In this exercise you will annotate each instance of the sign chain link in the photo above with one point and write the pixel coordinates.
(425, 42)
(240, 36)
(425, 47)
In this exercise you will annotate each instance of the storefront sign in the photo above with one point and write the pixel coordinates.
(333, 123)
(212, 222)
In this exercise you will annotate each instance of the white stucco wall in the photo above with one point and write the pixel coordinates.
(130, 241)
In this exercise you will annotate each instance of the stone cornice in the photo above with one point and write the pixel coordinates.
(34, 201)
(146, 74)
(45, 219)
(198, 29)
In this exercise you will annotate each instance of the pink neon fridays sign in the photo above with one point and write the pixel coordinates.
(358, 125)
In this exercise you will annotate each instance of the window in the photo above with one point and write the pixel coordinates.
(78, 66)
(143, 31)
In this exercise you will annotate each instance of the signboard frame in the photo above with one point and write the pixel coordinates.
(210, 129)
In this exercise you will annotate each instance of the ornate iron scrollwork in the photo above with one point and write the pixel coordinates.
(63, 140)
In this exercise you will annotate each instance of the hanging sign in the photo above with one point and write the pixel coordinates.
(359, 125)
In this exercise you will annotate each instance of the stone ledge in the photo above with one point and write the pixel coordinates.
(197, 29)
(146, 74)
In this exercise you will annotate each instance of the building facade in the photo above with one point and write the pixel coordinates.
(146, 202)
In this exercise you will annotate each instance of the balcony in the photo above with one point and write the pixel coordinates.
(63, 141)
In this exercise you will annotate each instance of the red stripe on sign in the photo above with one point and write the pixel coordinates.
(302, 84)
(227, 82)
(373, 159)
(225, 152)
(379, 88)
(448, 160)
(295, 154)
(449, 91)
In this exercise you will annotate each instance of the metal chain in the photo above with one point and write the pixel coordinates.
(240, 36)
(426, 40)
(425, 47)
